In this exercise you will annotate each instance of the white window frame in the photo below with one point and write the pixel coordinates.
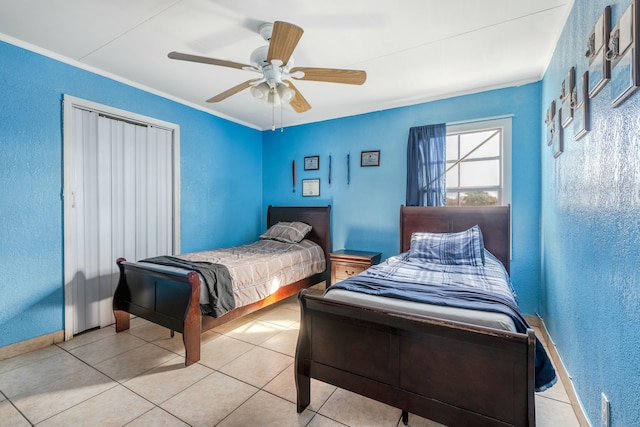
(504, 123)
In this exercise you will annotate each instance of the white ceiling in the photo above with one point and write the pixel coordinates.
(412, 50)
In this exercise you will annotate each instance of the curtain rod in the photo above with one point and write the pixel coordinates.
(485, 119)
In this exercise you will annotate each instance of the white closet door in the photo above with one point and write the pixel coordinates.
(123, 187)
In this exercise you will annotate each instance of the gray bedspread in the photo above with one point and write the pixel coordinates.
(216, 278)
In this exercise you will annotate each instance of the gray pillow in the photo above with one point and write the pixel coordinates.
(288, 232)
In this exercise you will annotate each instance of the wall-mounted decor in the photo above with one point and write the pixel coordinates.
(329, 180)
(581, 113)
(311, 187)
(566, 97)
(293, 172)
(550, 121)
(312, 163)
(599, 66)
(370, 158)
(622, 52)
(557, 144)
(348, 169)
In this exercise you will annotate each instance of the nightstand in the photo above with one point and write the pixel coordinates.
(346, 263)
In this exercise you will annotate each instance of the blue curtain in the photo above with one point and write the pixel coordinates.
(426, 165)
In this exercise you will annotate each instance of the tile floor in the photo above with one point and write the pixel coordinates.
(244, 378)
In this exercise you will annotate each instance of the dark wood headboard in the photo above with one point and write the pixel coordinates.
(494, 221)
(318, 217)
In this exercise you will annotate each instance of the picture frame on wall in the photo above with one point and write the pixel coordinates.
(623, 54)
(597, 46)
(557, 144)
(370, 158)
(550, 121)
(581, 124)
(311, 187)
(566, 97)
(311, 163)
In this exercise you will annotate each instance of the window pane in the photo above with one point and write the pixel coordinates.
(453, 199)
(452, 147)
(490, 148)
(478, 198)
(482, 173)
(452, 176)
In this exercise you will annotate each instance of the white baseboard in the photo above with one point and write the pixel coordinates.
(561, 371)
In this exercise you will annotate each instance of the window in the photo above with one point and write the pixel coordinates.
(479, 163)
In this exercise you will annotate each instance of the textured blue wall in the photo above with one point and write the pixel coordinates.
(366, 213)
(220, 205)
(591, 236)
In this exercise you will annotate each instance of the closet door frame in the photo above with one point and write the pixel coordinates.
(69, 104)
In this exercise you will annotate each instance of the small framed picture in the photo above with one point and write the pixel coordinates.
(370, 158)
(582, 118)
(597, 45)
(312, 163)
(310, 187)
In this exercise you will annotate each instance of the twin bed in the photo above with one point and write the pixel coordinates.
(450, 371)
(174, 297)
(454, 365)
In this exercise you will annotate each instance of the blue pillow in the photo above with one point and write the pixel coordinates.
(463, 248)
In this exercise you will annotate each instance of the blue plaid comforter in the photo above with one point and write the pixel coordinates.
(485, 288)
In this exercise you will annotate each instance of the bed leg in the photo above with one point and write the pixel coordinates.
(122, 320)
(405, 417)
(303, 389)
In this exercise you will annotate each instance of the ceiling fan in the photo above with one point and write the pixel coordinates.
(275, 64)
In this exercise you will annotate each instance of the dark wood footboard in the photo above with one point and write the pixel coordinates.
(449, 372)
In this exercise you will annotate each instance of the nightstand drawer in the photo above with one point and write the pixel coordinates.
(344, 270)
(348, 263)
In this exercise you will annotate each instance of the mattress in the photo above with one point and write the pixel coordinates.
(258, 269)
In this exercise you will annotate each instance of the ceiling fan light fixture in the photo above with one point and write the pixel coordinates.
(285, 93)
(260, 91)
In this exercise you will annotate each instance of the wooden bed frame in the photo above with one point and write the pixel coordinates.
(172, 300)
(450, 372)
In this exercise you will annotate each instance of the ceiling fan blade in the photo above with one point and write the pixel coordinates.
(284, 39)
(232, 91)
(332, 75)
(206, 60)
(298, 103)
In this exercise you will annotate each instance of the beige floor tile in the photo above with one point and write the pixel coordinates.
(10, 415)
(88, 337)
(255, 332)
(151, 332)
(134, 362)
(236, 323)
(258, 366)
(557, 392)
(157, 418)
(107, 348)
(552, 413)
(219, 351)
(280, 316)
(283, 342)
(30, 357)
(209, 401)
(266, 410)
(167, 380)
(355, 410)
(322, 421)
(36, 404)
(417, 421)
(29, 378)
(114, 407)
(284, 385)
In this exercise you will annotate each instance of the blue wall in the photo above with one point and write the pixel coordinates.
(366, 213)
(219, 207)
(591, 236)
